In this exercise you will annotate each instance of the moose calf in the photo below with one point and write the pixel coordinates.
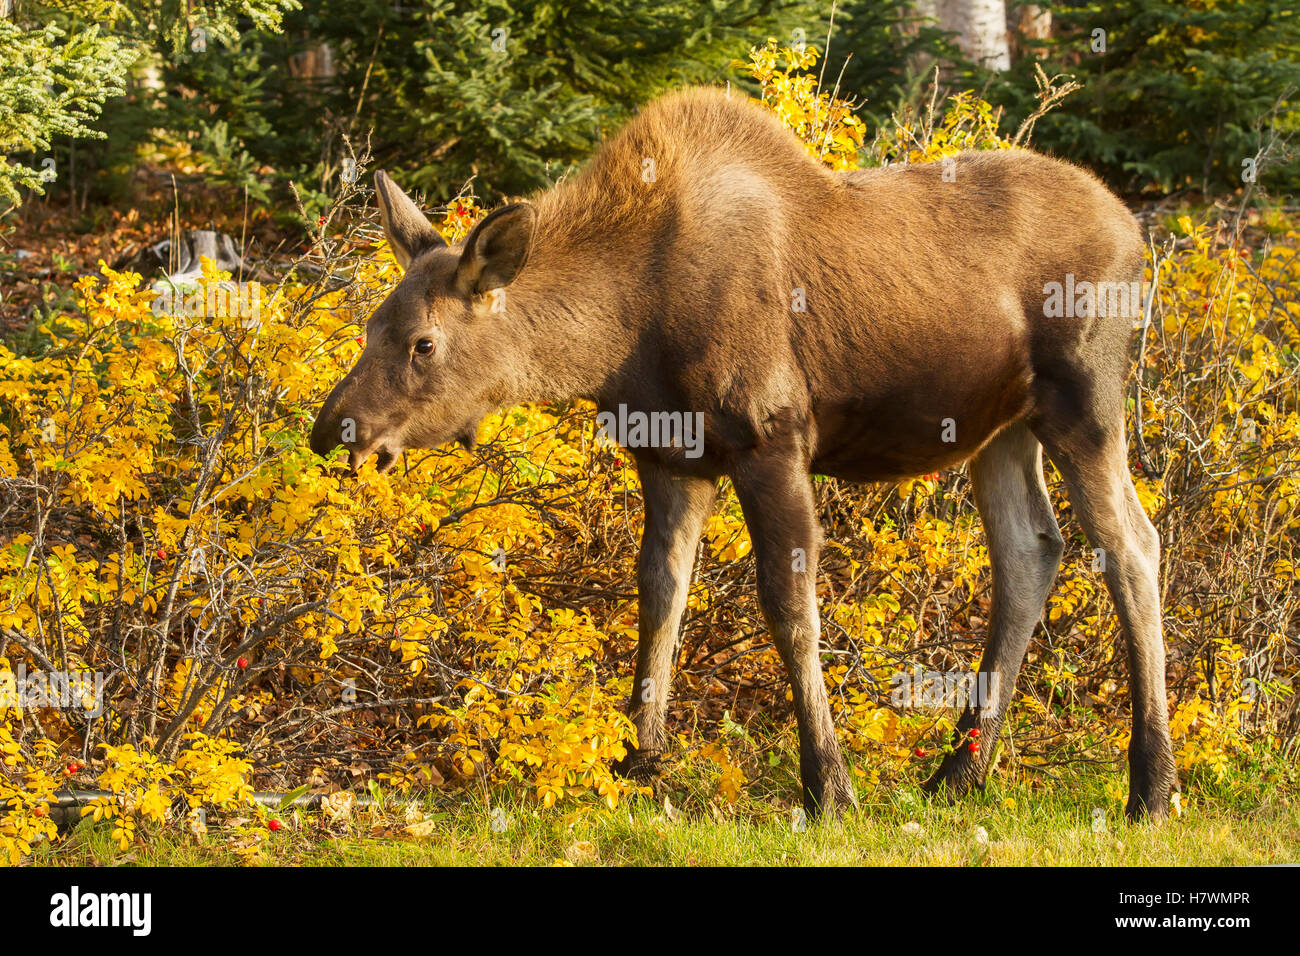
(870, 325)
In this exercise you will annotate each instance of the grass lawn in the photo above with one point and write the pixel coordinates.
(1236, 821)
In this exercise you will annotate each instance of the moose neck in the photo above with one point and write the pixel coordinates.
(571, 325)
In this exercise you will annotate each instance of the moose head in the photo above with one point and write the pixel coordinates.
(435, 361)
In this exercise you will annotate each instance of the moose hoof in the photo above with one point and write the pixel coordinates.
(830, 807)
(831, 795)
(1149, 803)
(640, 766)
(1152, 783)
(1138, 810)
(953, 780)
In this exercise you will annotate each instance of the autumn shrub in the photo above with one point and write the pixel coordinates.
(252, 616)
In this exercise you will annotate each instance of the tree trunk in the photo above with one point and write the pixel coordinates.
(985, 33)
(1030, 22)
(980, 26)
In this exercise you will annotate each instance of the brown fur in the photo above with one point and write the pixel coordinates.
(924, 309)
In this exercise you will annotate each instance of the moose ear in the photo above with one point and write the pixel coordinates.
(497, 249)
(408, 232)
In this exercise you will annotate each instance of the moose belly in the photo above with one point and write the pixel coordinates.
(912, 430)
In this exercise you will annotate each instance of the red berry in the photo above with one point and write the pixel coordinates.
(974, 747)
(919, 751)
(274, 825)
(242, 663)
(162, 555)
(421, 525)
(40, 811)
(975, 732)
(73, 767)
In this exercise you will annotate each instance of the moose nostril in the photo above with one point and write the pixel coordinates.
(329, 432)
(317, 440)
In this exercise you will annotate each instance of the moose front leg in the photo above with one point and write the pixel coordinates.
(776, 496)
(676, 507)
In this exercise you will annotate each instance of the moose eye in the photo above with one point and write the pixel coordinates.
(424, 346)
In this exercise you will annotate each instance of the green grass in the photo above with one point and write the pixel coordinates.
(1239, 821)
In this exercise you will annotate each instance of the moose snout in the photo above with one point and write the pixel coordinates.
(327, 432)
(336, 425)
(333, 429)
(319, 443)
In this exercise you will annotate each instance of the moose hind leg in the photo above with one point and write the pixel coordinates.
(1095, 466)
(776, 496)
(1025, 548)
(675, 510)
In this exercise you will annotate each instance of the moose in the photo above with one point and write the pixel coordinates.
(870, 325)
